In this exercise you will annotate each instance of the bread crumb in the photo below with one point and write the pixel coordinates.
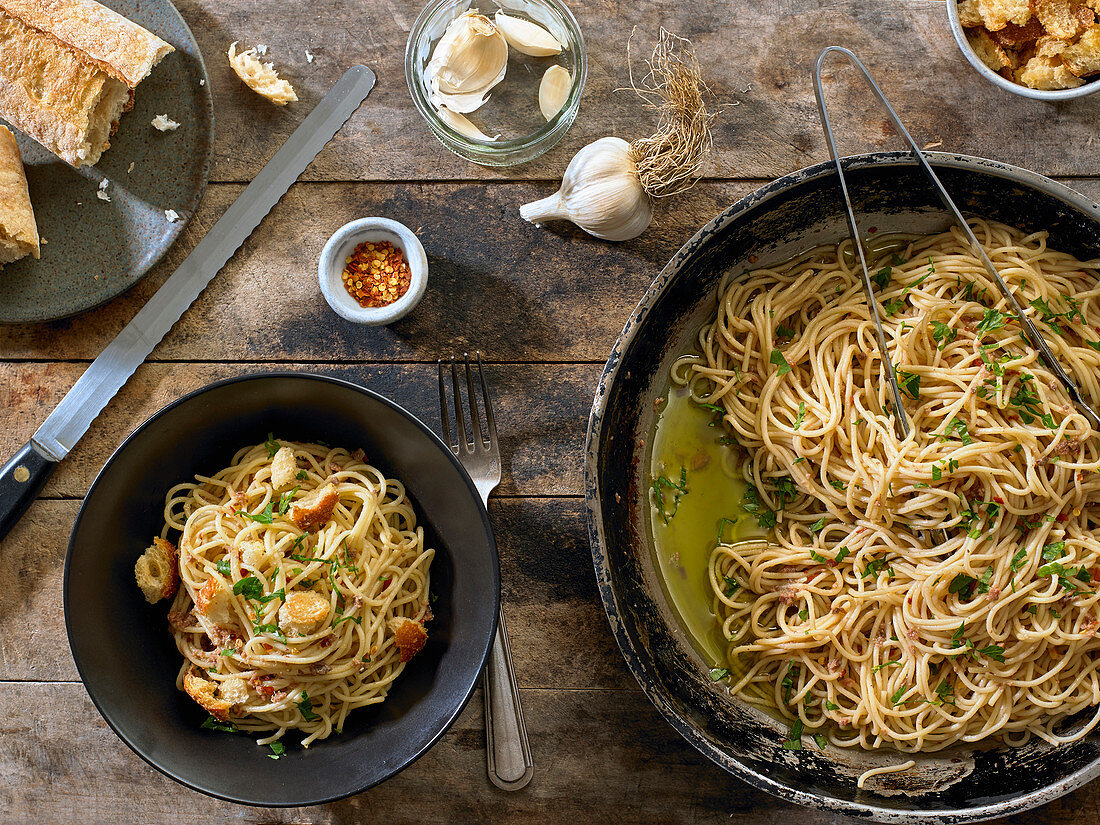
(261, 77)
(171, 215)
(261, 48)
(131, 168)
(202, 81)
(101, 193)
(309, 56)
(163, 123)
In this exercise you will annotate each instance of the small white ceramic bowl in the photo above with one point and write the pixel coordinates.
(330, 269)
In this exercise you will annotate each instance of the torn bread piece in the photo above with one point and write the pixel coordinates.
(18, 231)
(1083, 57)
(996, 14)
(1047, 74)
(987, 50)
(969, 15)
(1060, 18)
(67, 72)
(157, 571)
(261, 77)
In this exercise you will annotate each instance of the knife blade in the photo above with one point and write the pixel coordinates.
(22, 477)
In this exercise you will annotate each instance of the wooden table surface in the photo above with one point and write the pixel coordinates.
(544, 305)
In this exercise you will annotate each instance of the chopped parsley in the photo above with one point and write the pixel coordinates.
(722, 526)
(306, 707)
(286, 498)
(881, 279)
(781, 362)
(831, 705)
(836, 484)
(893, 306)
(660, 484)
(957, 426)
(210, 723)
(963, 585)
(818, 525)
(272, 445)
(718, 673)
(801, 414)
(994, 652)
(356, 619)
(794, 741)
(732, 586)
(223, 567)
(264, 517)
(908, 383)
(942, 334)
(991, 320)
(302, 475)
(277, 750)
(877, 668)
(272, 629)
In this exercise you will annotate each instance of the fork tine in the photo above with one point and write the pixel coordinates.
(443, 417)
(477, 434)
(487, 404)
(460, 417)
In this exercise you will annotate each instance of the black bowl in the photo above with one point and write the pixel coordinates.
(774, 223)
(125, 652)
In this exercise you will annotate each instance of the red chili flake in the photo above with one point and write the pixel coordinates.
(753, 259)
(1062, 517)
(873, 230)
(376, 274)
(998, 499)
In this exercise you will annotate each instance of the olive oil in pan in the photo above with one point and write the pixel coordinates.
(693, 475)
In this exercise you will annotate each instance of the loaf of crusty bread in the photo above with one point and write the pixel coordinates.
(18, 231)
(67, 72)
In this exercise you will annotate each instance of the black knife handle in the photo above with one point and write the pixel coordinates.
(21, 479)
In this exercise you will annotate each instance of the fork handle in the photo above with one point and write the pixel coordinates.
(506, 748)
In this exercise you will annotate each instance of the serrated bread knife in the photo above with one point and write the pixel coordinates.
(23, 476)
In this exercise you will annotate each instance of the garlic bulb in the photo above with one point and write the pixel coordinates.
(463, 126)
(600, 192)
(554, 91)
(467, 62)
(527, 37)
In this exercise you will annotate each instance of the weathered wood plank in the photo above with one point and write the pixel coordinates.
(496, 283)
(560, 636)
(756, 56)
(542, 412)
(602, 757)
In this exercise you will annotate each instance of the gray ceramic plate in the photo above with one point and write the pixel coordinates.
(95, 250)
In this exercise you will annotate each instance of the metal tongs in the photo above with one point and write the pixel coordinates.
(1036, 337)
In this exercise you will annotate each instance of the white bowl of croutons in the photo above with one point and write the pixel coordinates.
(1044, 51)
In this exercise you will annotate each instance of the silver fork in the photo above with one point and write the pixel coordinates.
(506, 748)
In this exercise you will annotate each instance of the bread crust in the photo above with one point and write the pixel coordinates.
(119, 46)
(18, 230)
(67, 76)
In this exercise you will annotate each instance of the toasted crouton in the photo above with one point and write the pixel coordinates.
(1083, 57)
(213, 602)
(1013, 36)
(302, 612)
(313, 512)
(409, 636)
(1059, 18)
(261, 77)
(253, 554)
(1050, 46)
(969, 15)
(1047, 73)
(204, 692)
(988, 51)
(234, 689)
(284, 469)
(157, 571)
(996, 14)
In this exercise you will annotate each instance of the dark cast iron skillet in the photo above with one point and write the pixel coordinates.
(123, 646)
(774, 223)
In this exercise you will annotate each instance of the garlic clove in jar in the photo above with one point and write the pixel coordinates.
(527, 37)
(467, 62)
(600, 192)
(554, 91)
(463, 126)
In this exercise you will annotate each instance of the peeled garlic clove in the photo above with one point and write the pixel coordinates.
(463, 126)
(600, 192)
(527, 37)
(467, 62)
(554, 91)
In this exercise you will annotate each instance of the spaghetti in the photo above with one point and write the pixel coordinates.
(285, 626)
(923, 592)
